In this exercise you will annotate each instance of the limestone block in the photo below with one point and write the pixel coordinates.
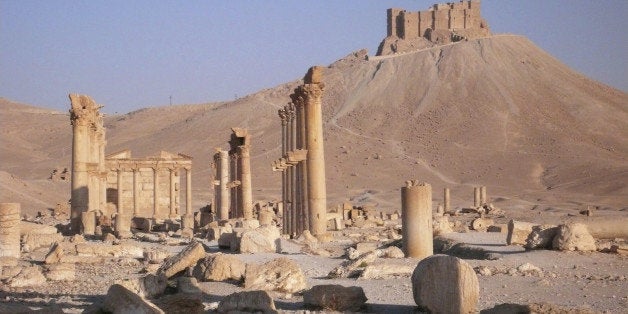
(266, 217)
(229, 240)
(121, 300)
(8, 261)
(501, 228)
(33, 241)
(155, 255)
(188, 303)
(391, 252)
(281, 274)
(60, 272)
(574, 237)
(383, 271)
(441, 225)
(247, 302)
(54, 255)
(10, 229)
(188, 285)
(441, 277)
(91, 249)
(219, 267)
(30, 276)
(148, 286)
(248, 223)
(541, 237)
(335, 298)
(262, 239)
(88, 222)
(518, 232)
(188, 257)
(481, 224)
(8, 272)
(353, 268)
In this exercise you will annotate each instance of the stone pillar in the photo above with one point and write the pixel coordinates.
(483, 200)
(225, 197)
(476, 197)
(188, 191)
(416, 211)
(247, 190)
(136, 191)
(446, 200)
(10, 229)
(284, 174)
(173, 193)
(119, 190)
(302, 166)
(155, 191)
(316, 189)
(88, 222)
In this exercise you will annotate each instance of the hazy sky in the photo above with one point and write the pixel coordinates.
(131, 54)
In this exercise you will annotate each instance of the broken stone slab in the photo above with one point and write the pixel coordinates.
(109, 250)
(353, 268)
(441, 225)
(30, 276)
(262, 239)
(188, 257)
(481, 224)
(608, 228)
(247, 302)
(122, 300)
(189, 303)
(383, 271)
(219, 267)
(281, 274)
(188, 285)
(441, 277)
(335, 298)
(34, 240)
(55, 254)
(574, 237)
(60, 272)
(500, 228)
(518, 232)
(148, 286)
(361, 249)
(155, 255)
(541, 237)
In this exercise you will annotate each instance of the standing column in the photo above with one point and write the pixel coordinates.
(173, 193)
(119, 190)
(155, 191)
(225, 199)
(317, 194)
(446, 200)
(294, 216)
(136, 191)
(10, 229)
(416, 211)
(301, 166)
(187, 220)
(123, 219)
(483, 200)
(284, 173)
(476, 197)
(245, 173)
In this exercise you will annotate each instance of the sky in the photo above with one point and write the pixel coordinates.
(133, 54)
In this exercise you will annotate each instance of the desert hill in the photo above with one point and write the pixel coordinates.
(495, 111)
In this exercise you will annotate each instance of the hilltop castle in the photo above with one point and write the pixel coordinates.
(440, 24)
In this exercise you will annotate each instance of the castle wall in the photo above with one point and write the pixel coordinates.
(457, 19)
(425, 21)
(393, 18)
(441, 19)
(411, 25)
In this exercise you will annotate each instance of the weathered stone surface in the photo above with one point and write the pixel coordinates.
(573, 237)
(281, 274)
(353, 268)
(335, 298)
(381, 271)
(541, 237)
(109, 250)
(247, 302)
(219, 267)
(184, 259)
(10, 229)
(28, 277)
(188, 285)
(391, 252)
(441, 225)
(54, 255)
(61, 272)
(148, 286)
(262, 239)
(188, 303)
(361, 249)
(518, 232)
(33, 240)
(122, 300)
(441, 277)
(481, 224)
(156, 255)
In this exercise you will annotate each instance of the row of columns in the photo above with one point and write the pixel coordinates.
(302, 163)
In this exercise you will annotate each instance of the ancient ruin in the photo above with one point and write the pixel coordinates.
(416, 217)
(303, 159)
(119, 186)
(10, 229)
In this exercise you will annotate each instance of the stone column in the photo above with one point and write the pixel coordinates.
(88, 222)
(302, 166)
(136, 191)
(225, 198)
(245, 173)
(119, 190)
(476, 197)
(80, 178)
(483, 200)
(187, 219)
(155, 191)
(284, 174)
(317, 194)
(10, 229)
(416, 211)
(446, 200)
(173, 192)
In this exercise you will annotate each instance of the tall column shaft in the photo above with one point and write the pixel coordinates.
(10, 229)
(136, 191)
(225, 200)
(173, 193)
(416, 211)
(119, 190)
(476, 197)
(155, 191)
(245, 174)
(188, 191)
(317, 194)
(446, 200)
(302, 167)
(483, 200)
(80, 178)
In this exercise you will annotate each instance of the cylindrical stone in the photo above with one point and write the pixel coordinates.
(225, 197)
(416, 211)
(476, 197)
(88, 222)
(247, 190)
(266, 217)
(123, 225)
(483, 200)
(446, 200)
(10, 229)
